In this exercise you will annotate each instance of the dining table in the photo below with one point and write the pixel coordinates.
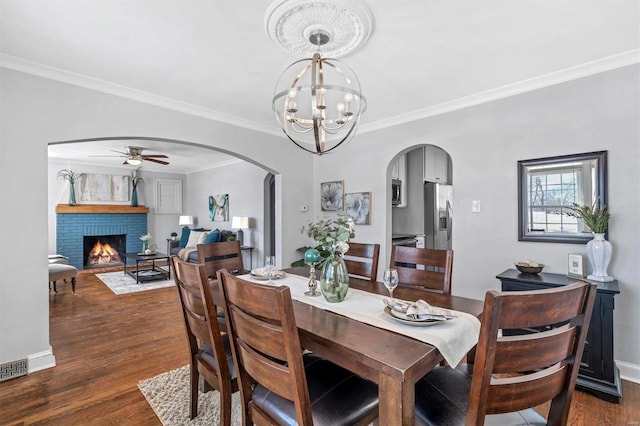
(395, 362)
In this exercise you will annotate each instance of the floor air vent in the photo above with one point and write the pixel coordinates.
(14, 369)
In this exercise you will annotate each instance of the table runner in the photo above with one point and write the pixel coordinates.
(453, 338)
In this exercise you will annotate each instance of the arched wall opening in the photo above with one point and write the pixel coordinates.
(239, 180)
(420, 205)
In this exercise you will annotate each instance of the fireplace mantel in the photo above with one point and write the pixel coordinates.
(100, 208)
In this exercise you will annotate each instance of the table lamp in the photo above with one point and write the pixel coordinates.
(185, 221)
(240, 223)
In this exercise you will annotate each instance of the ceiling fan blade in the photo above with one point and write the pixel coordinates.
(154, 156)
(126, 161)
(106, 155)
(156, 161)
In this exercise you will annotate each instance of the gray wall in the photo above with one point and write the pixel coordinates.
(244, 184)
(35, 111)
(599, 112)
(485, 142)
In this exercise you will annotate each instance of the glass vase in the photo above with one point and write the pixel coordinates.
(145, 245)
(334, 279)
(72, 194)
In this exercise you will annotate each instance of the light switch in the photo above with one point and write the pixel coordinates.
(475, 206)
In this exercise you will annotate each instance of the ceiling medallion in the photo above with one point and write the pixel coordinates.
(290, 24)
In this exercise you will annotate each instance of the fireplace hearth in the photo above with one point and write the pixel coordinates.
(103, 250)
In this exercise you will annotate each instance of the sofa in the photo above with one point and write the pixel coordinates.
(185, 247)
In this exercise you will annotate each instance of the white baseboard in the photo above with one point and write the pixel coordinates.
(629, 372)
(41, 360)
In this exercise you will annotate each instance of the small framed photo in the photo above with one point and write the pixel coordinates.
(576, 266)
(332, 195)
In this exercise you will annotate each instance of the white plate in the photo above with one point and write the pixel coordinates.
(276, 276)
(402, 317)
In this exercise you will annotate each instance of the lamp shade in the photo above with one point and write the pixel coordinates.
(240, 222)
(186, 221)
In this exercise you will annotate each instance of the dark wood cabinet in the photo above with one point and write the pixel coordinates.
(598, 372)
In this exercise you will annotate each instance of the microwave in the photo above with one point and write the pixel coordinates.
(396, 192)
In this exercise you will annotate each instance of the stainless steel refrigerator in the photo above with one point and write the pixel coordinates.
(438, 215)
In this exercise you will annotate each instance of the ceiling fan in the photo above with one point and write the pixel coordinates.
(134, 156)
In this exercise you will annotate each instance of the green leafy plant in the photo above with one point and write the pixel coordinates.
(332, 234)
(595, 217)
(174, 234)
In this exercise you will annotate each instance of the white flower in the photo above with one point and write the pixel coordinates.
(146, 237)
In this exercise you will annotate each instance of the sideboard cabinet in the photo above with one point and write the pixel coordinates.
(598, 374)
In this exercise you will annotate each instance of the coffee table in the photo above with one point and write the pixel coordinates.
(145, 272)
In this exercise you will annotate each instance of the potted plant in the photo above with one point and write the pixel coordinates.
(334, 236)
(598, 250)
(596, 218)
(71, 177)
(174, 236)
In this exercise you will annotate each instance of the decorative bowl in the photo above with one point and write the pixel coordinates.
(529, 267)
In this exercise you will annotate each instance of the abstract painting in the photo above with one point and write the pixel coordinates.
(219, 207)
(357, 206)
(331, 195)
(96, 187)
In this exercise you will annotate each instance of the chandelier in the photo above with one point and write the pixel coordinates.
(317, 100)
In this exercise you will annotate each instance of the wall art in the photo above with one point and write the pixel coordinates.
(99, 187)
(357, 206)
(332, 195)
(219, 207)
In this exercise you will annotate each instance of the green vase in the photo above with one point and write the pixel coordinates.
(134, 196)
(334, 279)
(72, 194)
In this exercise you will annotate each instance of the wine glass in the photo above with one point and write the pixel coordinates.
(390, 279)
(270, 266)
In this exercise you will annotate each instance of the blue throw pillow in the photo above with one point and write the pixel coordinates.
(184, 238)
(213, 237)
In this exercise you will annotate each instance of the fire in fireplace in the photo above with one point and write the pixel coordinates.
(103, 250)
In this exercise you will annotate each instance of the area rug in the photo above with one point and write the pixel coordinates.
(120, 283)
(168, 395)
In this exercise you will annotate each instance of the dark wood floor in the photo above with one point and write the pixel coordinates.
(105, 344)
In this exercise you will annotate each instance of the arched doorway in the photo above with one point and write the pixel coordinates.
(421, 197)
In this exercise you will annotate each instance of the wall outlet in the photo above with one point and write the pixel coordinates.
(304, 208)
(475, 206)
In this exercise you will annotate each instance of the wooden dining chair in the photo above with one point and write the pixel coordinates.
(209, 349)
(224, 255)
(514, 372)
(362, 261)
(278, 383)
(423, 267)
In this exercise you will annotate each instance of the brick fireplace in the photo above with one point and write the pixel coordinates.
(73, 223)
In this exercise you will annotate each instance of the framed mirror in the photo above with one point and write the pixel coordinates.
(547, 187)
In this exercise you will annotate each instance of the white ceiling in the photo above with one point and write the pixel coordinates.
(215, 59)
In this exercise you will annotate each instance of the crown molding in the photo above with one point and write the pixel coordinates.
(583, 70)
(75, 79)
(590, 68)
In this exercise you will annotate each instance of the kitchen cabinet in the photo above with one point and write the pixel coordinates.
(598, 373)
(399, 173)
(436, 164)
